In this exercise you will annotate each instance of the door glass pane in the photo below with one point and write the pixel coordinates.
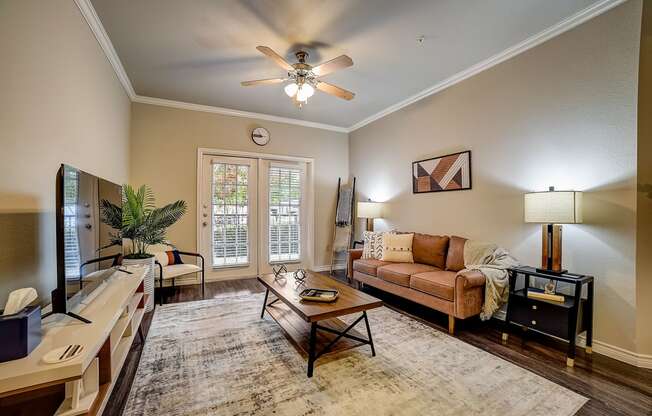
(230, 214)
(284, 214)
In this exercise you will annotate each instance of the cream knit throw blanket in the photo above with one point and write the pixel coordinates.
(492, 261)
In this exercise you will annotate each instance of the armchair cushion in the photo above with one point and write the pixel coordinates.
(177, 270)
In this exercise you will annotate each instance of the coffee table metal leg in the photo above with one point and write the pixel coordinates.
(262, 313)
(371, 341)
(311, 353)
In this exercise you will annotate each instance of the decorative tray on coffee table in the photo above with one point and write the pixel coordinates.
(319, 295)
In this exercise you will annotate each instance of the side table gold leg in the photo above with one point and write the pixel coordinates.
(589, 350)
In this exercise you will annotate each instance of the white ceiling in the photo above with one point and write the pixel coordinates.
(199, 51)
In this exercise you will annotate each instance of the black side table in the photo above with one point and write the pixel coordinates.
(563, 320)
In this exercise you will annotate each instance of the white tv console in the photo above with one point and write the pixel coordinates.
(88, 379)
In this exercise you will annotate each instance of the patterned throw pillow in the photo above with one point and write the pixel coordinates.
(373, 244)
(378, 245)
(397, 248)
(368, 248)
(173, 257)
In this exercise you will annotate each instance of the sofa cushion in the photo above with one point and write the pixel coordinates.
(368, 266)
(455, 256)
(399, 273)
(430, 249)
(438, 283)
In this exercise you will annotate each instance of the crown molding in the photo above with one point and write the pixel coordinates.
(529, 43)
(235, 113)
(92, 19)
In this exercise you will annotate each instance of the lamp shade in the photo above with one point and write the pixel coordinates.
(554, 207)
(370, 210)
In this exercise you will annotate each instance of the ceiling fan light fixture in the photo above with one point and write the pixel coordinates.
(305, 91)
(291, 89)
(303, 77)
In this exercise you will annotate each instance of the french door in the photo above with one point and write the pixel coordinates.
(282, 215)
(252, 215)
(228, 216)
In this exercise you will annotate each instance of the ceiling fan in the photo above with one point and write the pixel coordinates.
(303, 77)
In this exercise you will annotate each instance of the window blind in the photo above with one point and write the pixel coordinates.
(284, 214)
(230, 214)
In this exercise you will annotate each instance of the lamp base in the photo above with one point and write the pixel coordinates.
(551, 249)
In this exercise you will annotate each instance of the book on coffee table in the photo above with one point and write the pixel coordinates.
(319, 295)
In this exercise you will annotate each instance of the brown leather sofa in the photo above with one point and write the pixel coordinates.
(434, 279)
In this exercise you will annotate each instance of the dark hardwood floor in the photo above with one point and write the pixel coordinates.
(613, 388)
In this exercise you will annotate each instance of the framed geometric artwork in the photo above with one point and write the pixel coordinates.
(444, 173)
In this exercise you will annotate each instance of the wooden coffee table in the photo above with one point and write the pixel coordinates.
(314, 326)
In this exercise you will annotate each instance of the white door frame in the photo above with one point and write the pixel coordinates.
(310, 193)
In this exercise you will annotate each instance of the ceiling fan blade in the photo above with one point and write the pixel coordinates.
(278, 59)
(333, 65)
(335, 90)
(262, 82)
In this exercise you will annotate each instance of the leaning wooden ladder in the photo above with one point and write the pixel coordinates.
(344, 227)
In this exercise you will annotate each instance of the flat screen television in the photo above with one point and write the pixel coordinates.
(85, 256)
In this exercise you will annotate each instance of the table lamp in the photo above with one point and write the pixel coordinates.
(553, 208)
(370, 210)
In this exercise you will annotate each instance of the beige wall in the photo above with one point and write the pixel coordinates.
(164, 143)
(60, 102)
(562, 114)
(644, 203)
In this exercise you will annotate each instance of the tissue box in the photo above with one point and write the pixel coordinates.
(20, 333)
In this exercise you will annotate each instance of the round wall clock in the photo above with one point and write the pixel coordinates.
(260, 136)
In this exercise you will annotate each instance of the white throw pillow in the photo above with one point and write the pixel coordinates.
(161, 257)
(397, 248)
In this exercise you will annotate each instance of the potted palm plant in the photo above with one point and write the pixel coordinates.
(139, 224)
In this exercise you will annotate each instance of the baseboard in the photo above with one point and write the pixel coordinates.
(192, 280)
(618, 353)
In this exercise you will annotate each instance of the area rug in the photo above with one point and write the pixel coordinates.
(217, 357)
